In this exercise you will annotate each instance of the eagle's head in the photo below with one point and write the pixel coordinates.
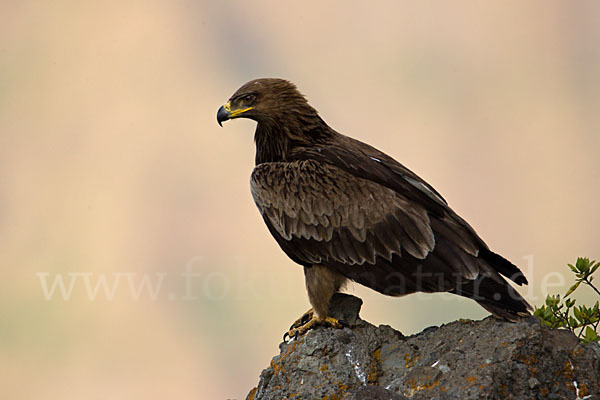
(268, 100)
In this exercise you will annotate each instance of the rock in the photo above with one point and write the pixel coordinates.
(486, 359)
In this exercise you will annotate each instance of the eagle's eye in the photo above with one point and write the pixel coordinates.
(247, 99)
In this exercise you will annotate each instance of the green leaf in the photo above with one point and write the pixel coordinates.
(547, 323)
(577, 312)
(573, 268)
(590, 335)
(572, 288)
(583, 264)
(573, 322)
(585, 310)
(569, 302)
(552, 300)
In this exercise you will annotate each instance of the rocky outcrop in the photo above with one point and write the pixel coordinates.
(486, 359)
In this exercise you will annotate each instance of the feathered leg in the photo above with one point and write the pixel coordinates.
(321, 284)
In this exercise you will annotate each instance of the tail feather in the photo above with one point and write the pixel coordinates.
(503, 266)
(503, 313)
(498, 298)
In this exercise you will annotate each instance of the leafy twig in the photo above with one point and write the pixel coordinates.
(581, 320)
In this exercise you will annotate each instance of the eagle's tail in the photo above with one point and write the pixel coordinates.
(498, 298)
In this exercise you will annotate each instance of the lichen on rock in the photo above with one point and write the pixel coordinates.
(487, 359)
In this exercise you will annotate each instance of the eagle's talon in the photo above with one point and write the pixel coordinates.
(300, 327)
(303, 320)
(343, 323)
(306, 317)
(332, 322)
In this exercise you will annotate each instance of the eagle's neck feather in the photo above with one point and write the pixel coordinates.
(276, 139)
(271, 144)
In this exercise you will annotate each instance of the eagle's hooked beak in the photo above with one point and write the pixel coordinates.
(225, 112)
(223, 115)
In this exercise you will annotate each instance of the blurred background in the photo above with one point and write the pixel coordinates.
(117, 183)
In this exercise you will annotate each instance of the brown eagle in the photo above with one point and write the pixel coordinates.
(346, 211)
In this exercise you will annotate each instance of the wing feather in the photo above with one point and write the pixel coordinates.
(359, 220)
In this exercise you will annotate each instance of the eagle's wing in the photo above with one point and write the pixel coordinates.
(326, 214)
(320, 214)
(458, 245)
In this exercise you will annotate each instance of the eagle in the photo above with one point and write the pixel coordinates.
(346, 211)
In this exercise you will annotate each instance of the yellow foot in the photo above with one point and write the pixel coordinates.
(309, 321)
(307, 316)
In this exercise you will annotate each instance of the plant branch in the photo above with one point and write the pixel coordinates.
(592, 285)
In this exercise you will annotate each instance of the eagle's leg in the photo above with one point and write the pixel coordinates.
(321, 284)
